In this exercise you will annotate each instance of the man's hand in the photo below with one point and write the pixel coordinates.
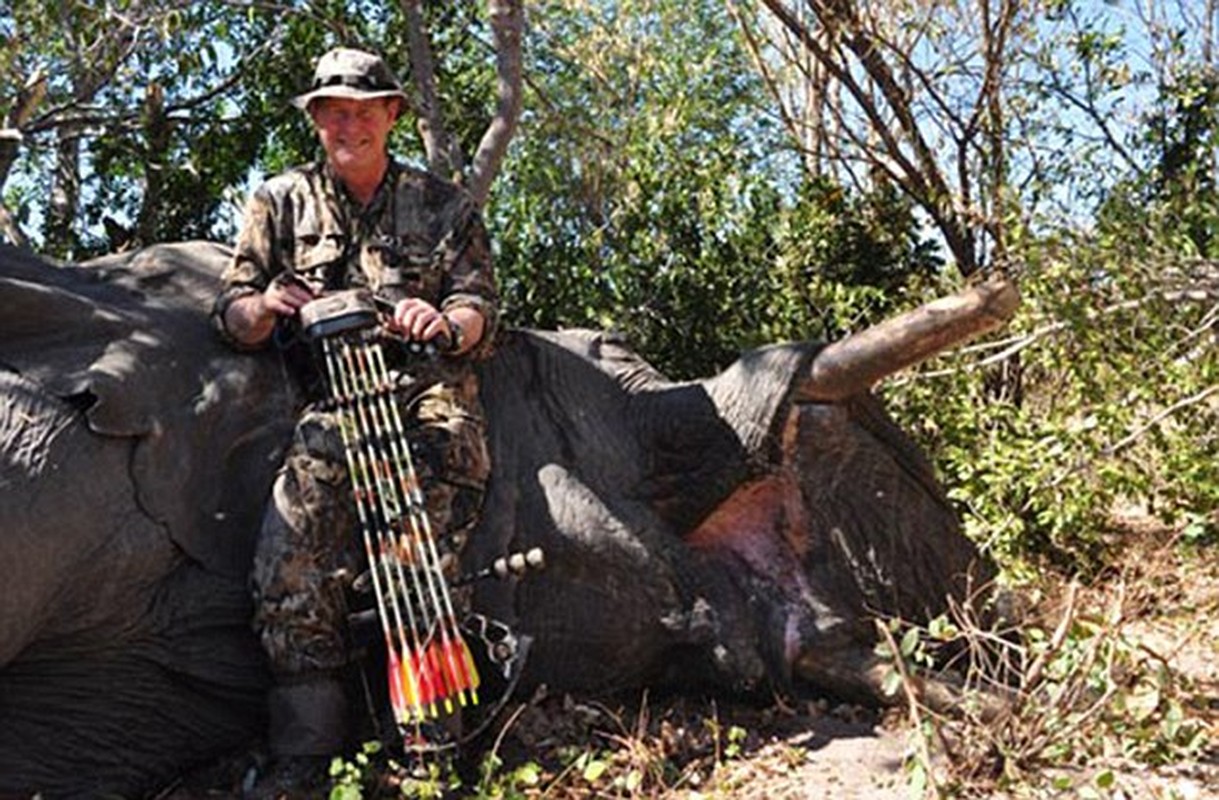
(420, 321)
(251, 319)
(285, 296)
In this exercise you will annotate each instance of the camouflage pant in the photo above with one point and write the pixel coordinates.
(311, 547)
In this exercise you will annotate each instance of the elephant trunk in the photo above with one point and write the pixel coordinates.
(853, 365)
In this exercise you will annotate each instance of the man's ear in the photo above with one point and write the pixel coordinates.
(395, 108)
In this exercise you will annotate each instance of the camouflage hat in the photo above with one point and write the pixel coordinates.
(343, 72)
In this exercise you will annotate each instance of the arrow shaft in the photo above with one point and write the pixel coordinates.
(429, 659)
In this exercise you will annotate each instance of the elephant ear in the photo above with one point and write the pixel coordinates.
(754, 394)
(698, 439)
(126, 340)
(60, 327)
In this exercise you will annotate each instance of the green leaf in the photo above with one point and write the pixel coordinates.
(594, 770)
(346, 791)
(528, 774)
(892, 682)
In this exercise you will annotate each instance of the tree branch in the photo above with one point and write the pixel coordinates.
(507, 23)
(937, 197)
(921, 178)
(29, 97)
(442, 156)
(768, 79)
(1132, 437)
(10, 228)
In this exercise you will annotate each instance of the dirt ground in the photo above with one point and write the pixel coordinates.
(824, 757)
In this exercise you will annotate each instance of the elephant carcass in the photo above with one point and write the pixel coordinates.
(732, 532)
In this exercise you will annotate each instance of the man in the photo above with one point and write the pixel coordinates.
(357, 219)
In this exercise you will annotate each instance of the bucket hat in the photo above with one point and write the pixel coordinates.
(344, 72)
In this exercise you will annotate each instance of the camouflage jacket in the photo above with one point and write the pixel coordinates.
(420, 236)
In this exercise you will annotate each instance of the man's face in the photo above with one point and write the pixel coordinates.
(353, 132)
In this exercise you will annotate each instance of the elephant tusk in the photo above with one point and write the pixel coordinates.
(855, 364)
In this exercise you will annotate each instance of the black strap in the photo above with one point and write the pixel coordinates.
(366, 82)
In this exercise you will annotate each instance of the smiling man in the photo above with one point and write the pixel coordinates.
(357, 219)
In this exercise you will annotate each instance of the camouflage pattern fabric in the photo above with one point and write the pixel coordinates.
(419, 237)
(310, 547)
